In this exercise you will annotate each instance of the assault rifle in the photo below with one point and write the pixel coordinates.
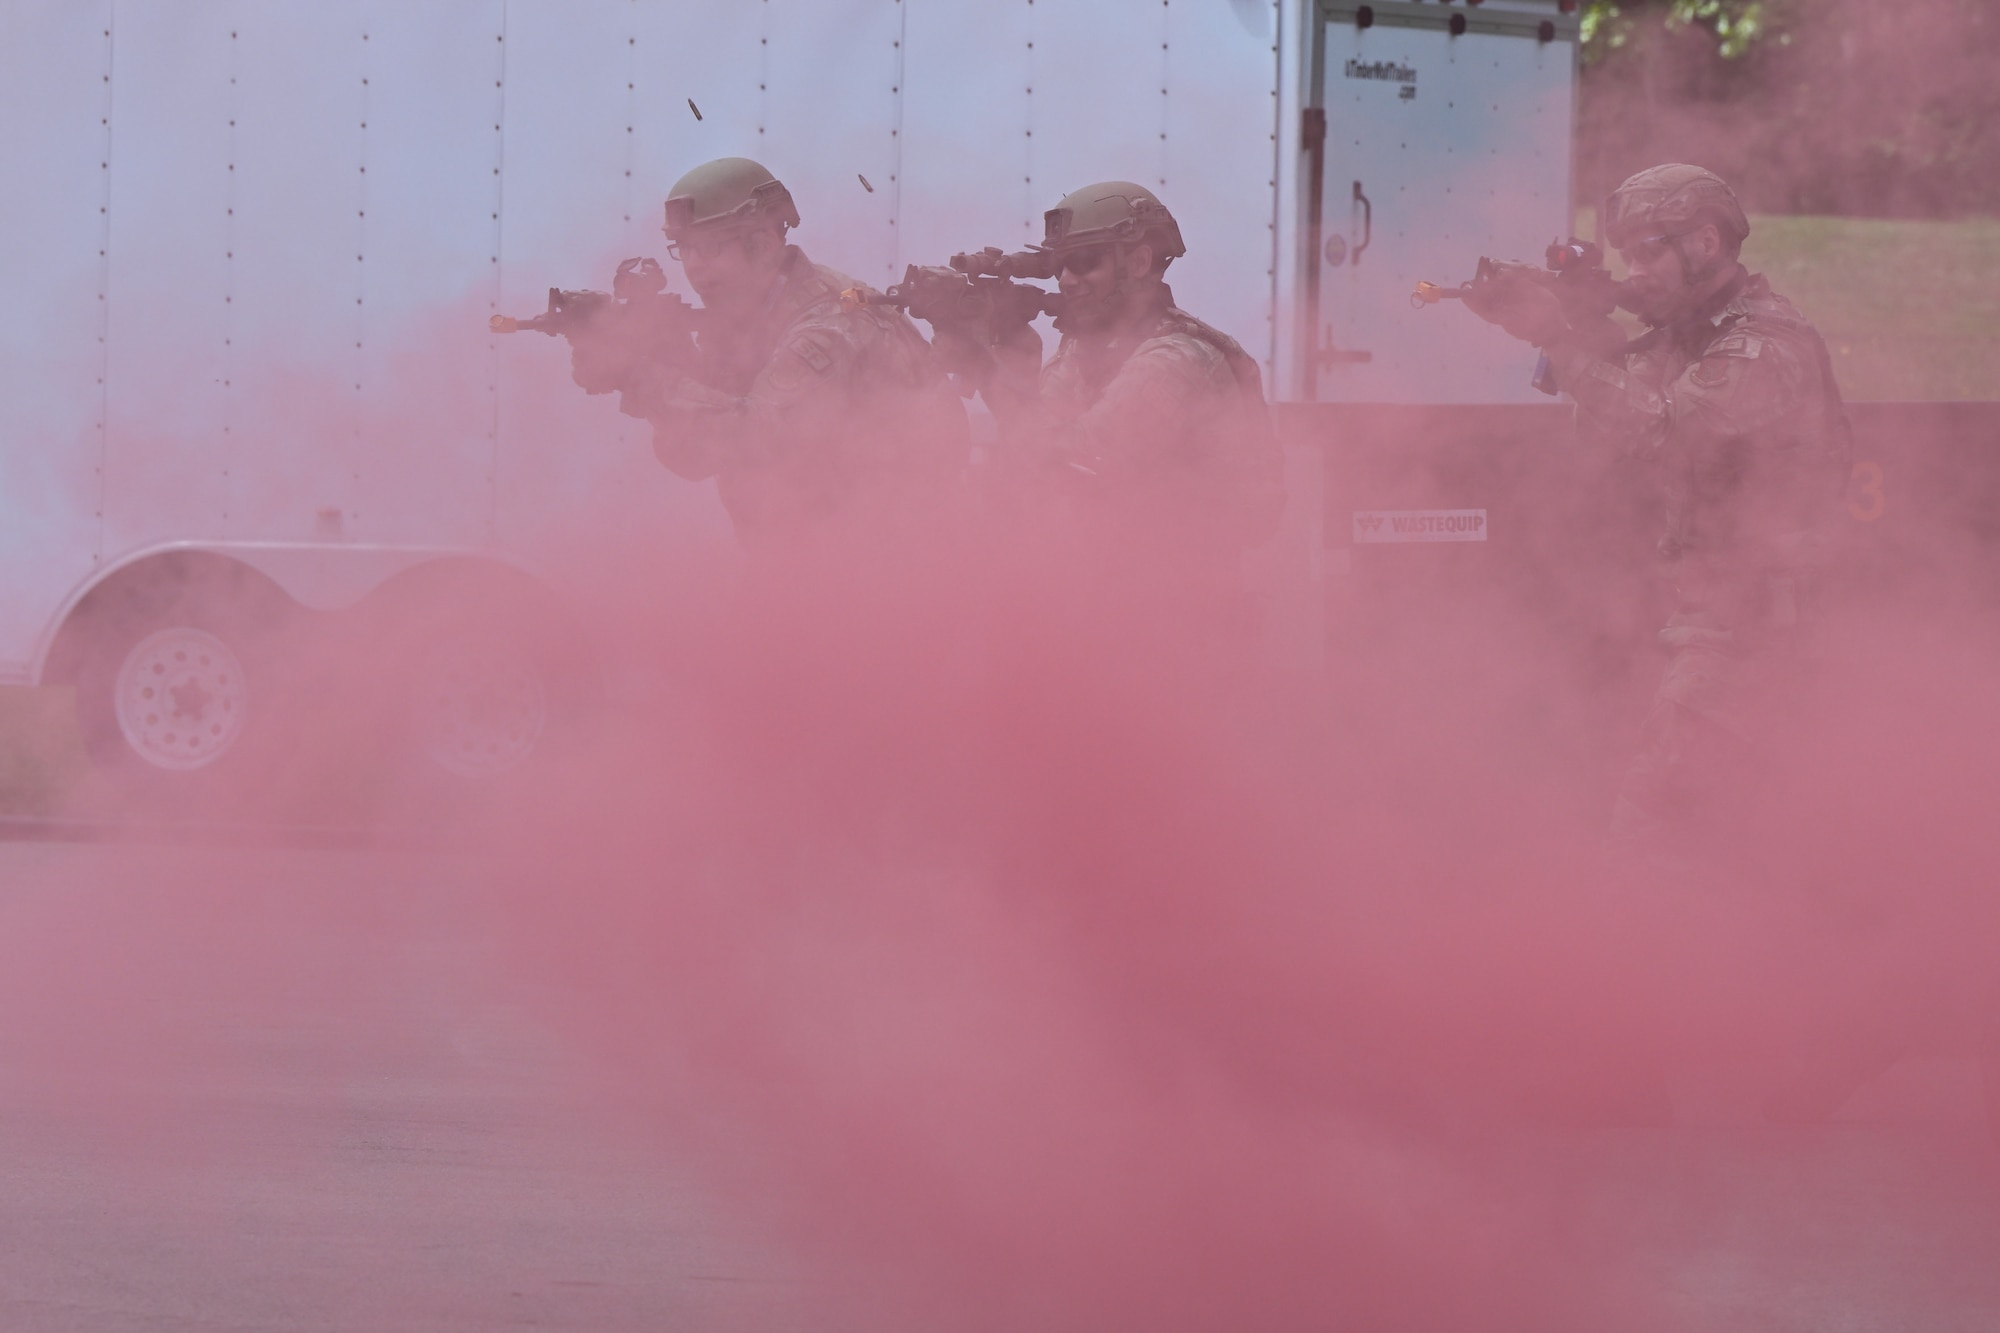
(637, 313)
(1574, 270)
(979, 293)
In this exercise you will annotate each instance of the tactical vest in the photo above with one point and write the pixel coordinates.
(1258, 481)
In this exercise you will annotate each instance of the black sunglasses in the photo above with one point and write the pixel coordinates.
(1087, 259)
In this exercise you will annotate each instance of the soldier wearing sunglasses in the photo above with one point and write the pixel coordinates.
(1144, 413)
(1729, 401)
(800, 407)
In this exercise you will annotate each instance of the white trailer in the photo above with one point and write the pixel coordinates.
(249, 250)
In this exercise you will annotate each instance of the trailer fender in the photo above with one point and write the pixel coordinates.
(318, 577)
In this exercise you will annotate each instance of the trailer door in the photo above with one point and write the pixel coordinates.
(1447, 137)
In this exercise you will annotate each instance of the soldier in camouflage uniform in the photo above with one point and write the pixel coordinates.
(1143, 410)
(799, 406)
(1729, 400)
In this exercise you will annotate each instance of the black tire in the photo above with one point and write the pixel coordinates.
(488, 674)
(178, 695)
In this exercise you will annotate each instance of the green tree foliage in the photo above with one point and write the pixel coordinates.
(1857, 107)
(1610, 25)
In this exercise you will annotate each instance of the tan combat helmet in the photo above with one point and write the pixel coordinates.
(729, 192)
(1670, 200)
(1111, 212)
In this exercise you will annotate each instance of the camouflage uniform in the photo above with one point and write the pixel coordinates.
(1168, 417)
(1162, 418)
(811, 408)
(1735, 414)
(800, 407)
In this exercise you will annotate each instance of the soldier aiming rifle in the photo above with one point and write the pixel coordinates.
(1728, 401)
(637, 322)
(800, 406)
(1144, 416)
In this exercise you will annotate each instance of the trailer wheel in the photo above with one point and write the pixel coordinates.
(174, 686)
(479, 703)
(487, 669)
(180, 698)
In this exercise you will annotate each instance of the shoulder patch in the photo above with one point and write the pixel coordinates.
(1709, 375)
(1741, 343)
(1711, 372)
(811, 348)
(806, 356)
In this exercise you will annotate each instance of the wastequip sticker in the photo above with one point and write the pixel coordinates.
(1419, 525)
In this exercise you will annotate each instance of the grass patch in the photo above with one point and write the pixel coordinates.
(41, 753)
(1909, 309)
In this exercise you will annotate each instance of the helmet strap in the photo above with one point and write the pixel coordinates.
(1117, 289)
(1716, 263)
(1697, 283)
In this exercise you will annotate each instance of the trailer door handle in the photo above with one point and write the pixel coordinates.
(1328, 354)
(1367, 221)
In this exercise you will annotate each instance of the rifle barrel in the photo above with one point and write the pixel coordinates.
(550, 324)
(1429, 293)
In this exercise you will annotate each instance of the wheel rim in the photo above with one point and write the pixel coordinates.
(481, 708)
(181, 698)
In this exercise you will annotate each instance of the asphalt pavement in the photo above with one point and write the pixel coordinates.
(278, 1088)
(321, 1114)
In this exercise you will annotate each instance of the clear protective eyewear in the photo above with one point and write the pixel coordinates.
(1647, 249)
(702, 247)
